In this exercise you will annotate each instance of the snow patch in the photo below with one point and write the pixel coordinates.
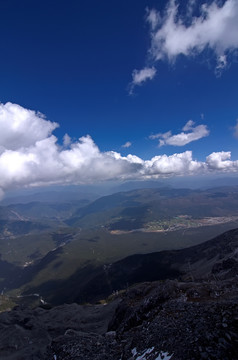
(143, 356)
(134, 352)
(162, 355)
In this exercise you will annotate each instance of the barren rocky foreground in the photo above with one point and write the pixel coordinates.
(170, 320)
(189, 318)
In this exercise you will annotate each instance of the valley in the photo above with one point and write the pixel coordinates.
(43, 245)
(181, 222)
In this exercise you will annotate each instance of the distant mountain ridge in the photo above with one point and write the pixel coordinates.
(158, 203)
(52, 196)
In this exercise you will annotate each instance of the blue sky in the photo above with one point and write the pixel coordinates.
(148, 78)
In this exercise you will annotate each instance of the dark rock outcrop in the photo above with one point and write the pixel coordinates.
(160, 320)
(28, 333)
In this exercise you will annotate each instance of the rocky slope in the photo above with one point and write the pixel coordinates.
(189, 318)
(160, 320)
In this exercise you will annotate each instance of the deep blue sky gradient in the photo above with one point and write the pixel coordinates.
(73, 60)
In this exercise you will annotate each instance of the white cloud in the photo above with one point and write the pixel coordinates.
(66, 140)
(221, 161)
(140, 76)
(153, 17)
(176, 164)
(189, 125)
(216, 27)
(221, 64)
(190, 133)
(36, 159)
(127, 144)
(172, 34)
(190, 7)
(21, 127)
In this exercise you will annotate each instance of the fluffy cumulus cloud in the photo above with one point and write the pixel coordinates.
(175, 164)
(31, 156)
(190, 133)
(21, 127)
(215, 27)
(221, 161)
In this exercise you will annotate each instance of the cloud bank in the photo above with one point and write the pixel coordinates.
(190, 133)
(31, 156)
(173, 34)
